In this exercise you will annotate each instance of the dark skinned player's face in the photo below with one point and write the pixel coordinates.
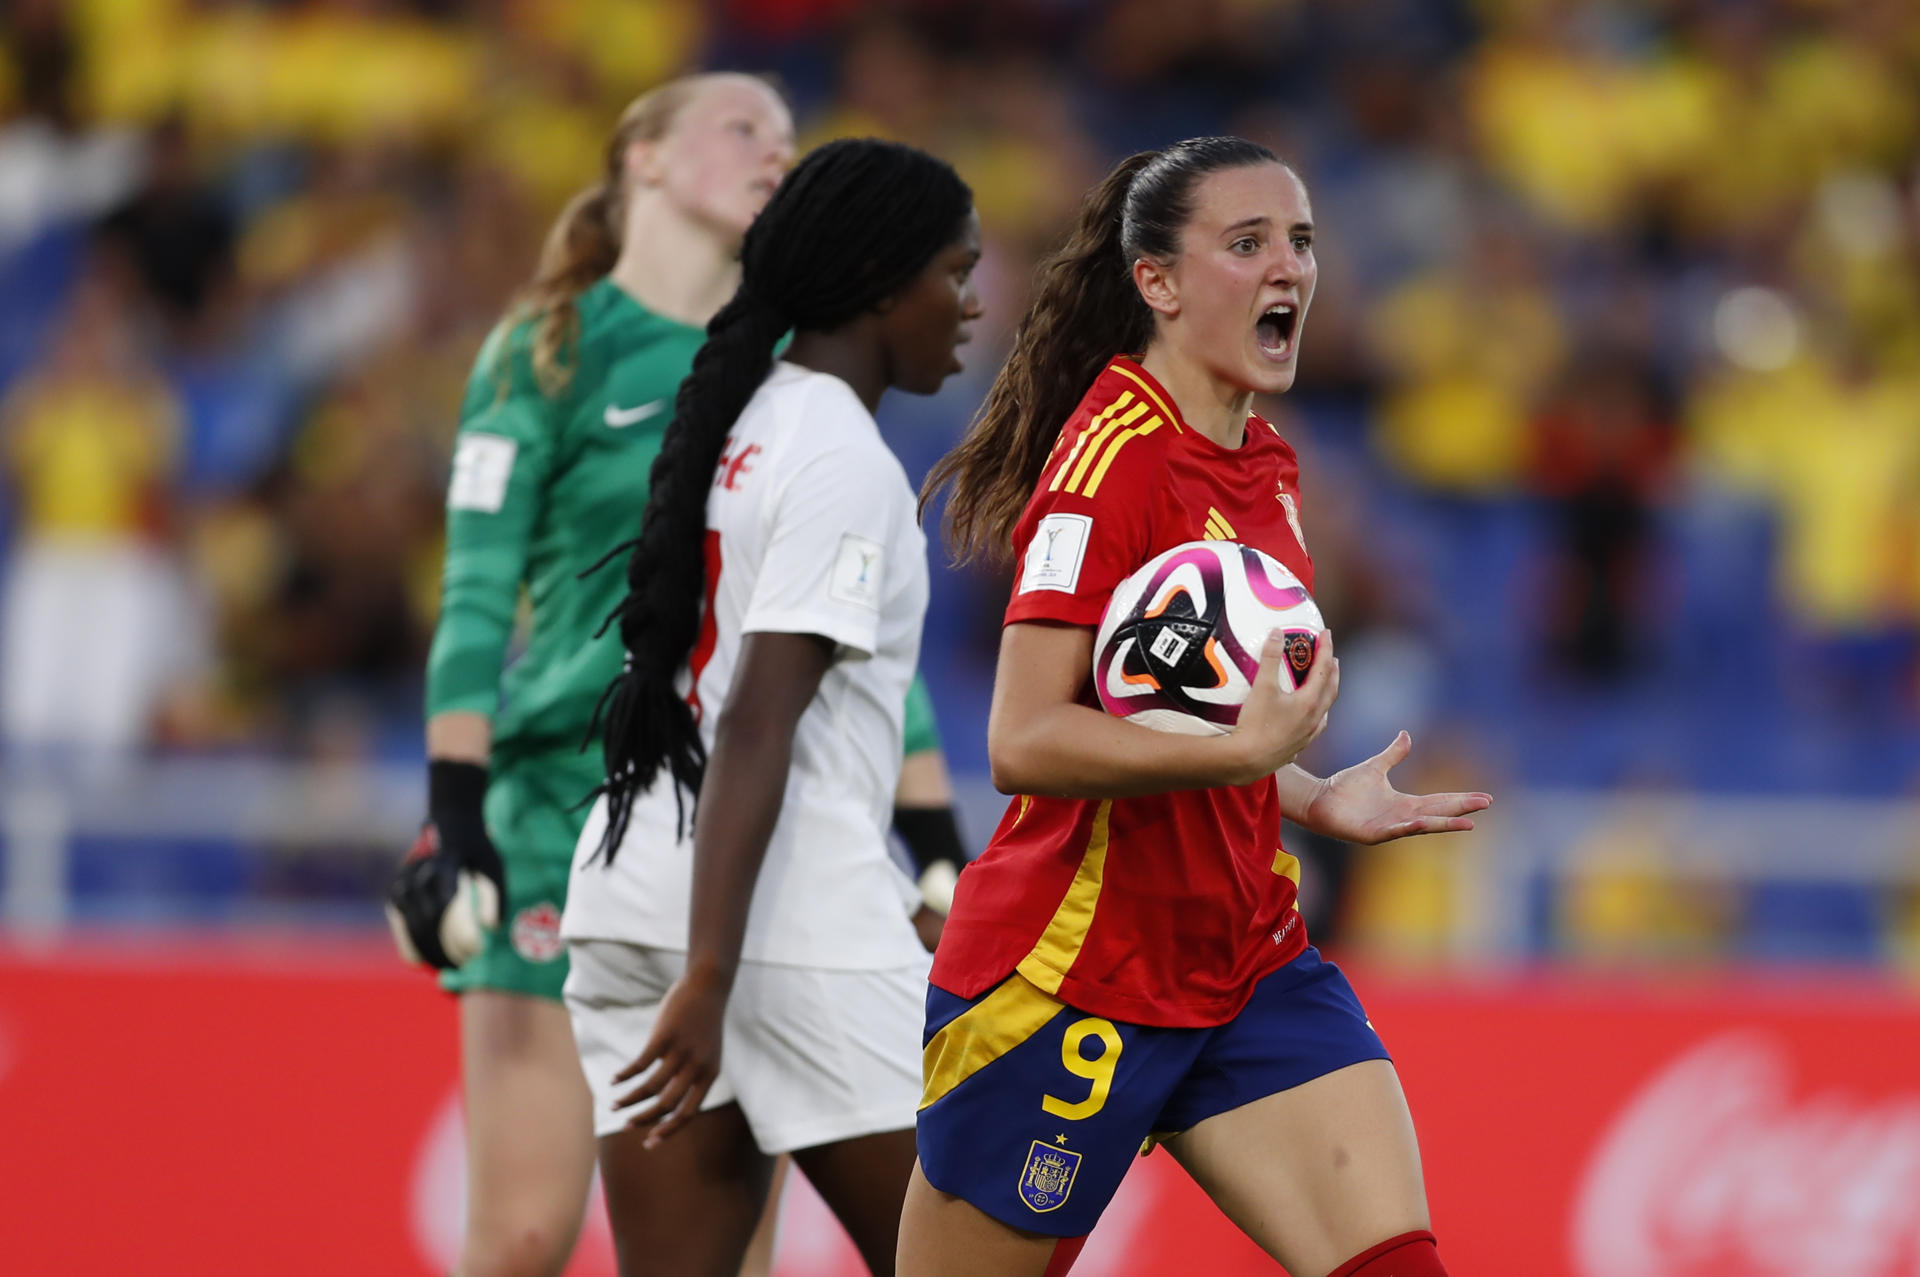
(925, 324)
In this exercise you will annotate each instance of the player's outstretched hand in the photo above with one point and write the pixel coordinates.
(684, 1054)
(1360, 804)
(1275, 724)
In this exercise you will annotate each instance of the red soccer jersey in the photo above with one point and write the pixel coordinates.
(1164, 909)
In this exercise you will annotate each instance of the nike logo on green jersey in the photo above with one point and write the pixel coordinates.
(618, 417)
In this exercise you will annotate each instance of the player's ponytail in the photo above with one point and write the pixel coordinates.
(850, 226)
(584, 243)
(582, 246)
(1086, 309)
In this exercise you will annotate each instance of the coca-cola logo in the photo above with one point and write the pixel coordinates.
(1717, 1167)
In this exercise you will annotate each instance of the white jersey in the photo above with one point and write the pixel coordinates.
(811, 529)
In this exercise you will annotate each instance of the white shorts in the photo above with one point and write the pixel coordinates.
(812, 1056)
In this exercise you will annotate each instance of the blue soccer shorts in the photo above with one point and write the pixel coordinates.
(1034, 1110)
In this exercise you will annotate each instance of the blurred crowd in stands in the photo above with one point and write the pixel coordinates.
(1609, 409)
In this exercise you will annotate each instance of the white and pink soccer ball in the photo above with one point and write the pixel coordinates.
(1179, 644)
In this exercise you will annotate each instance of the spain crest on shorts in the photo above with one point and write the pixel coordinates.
(1048, 1177)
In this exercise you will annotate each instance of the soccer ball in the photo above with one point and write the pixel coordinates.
(1179, 644)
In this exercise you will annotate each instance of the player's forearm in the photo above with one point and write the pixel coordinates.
(462, 736)
(470, 644)
(746, 780)
(924, 781)
(479, 598)
(739, 802)
(1297, 788)
(1073, 751)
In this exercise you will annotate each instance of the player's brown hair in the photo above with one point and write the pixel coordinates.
(1086, 309)
(584, 243)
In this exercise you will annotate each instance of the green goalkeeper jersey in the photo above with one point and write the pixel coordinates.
(919, 731)
(542, 487)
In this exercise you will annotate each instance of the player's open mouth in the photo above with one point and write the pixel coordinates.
(1274, 330)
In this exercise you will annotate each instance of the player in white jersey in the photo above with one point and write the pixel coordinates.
(810, 530)
(746, 980)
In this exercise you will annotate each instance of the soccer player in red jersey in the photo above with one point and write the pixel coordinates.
(1125, 962)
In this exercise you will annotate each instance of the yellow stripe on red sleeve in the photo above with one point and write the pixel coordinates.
(1096, 425)
(1149, 391)
(1120, 441)
(1097, 441)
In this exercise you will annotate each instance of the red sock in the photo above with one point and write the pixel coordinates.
(1065, 1251)
(1408, 1255)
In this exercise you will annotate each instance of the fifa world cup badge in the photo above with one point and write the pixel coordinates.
(1048, 1177)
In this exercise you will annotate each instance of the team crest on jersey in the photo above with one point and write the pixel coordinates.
(536, 932)
(1047, 1177)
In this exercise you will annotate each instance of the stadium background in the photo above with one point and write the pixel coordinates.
(1610, 425)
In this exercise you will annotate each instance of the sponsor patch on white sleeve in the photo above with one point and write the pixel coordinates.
(1055, 554)
(856, 571)
(482, 465)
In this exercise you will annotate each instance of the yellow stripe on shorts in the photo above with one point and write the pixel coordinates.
(983, 1033)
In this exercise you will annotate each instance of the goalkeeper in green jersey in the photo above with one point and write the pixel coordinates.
(562, 418)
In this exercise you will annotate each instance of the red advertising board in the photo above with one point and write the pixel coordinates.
(1755, 1126)
(198, 1109)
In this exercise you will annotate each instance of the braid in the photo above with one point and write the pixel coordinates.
(848, 228)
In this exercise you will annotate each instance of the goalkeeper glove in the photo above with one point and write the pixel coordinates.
(447, 892)
(932, 837)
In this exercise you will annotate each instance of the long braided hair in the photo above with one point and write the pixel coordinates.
(850, 226)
